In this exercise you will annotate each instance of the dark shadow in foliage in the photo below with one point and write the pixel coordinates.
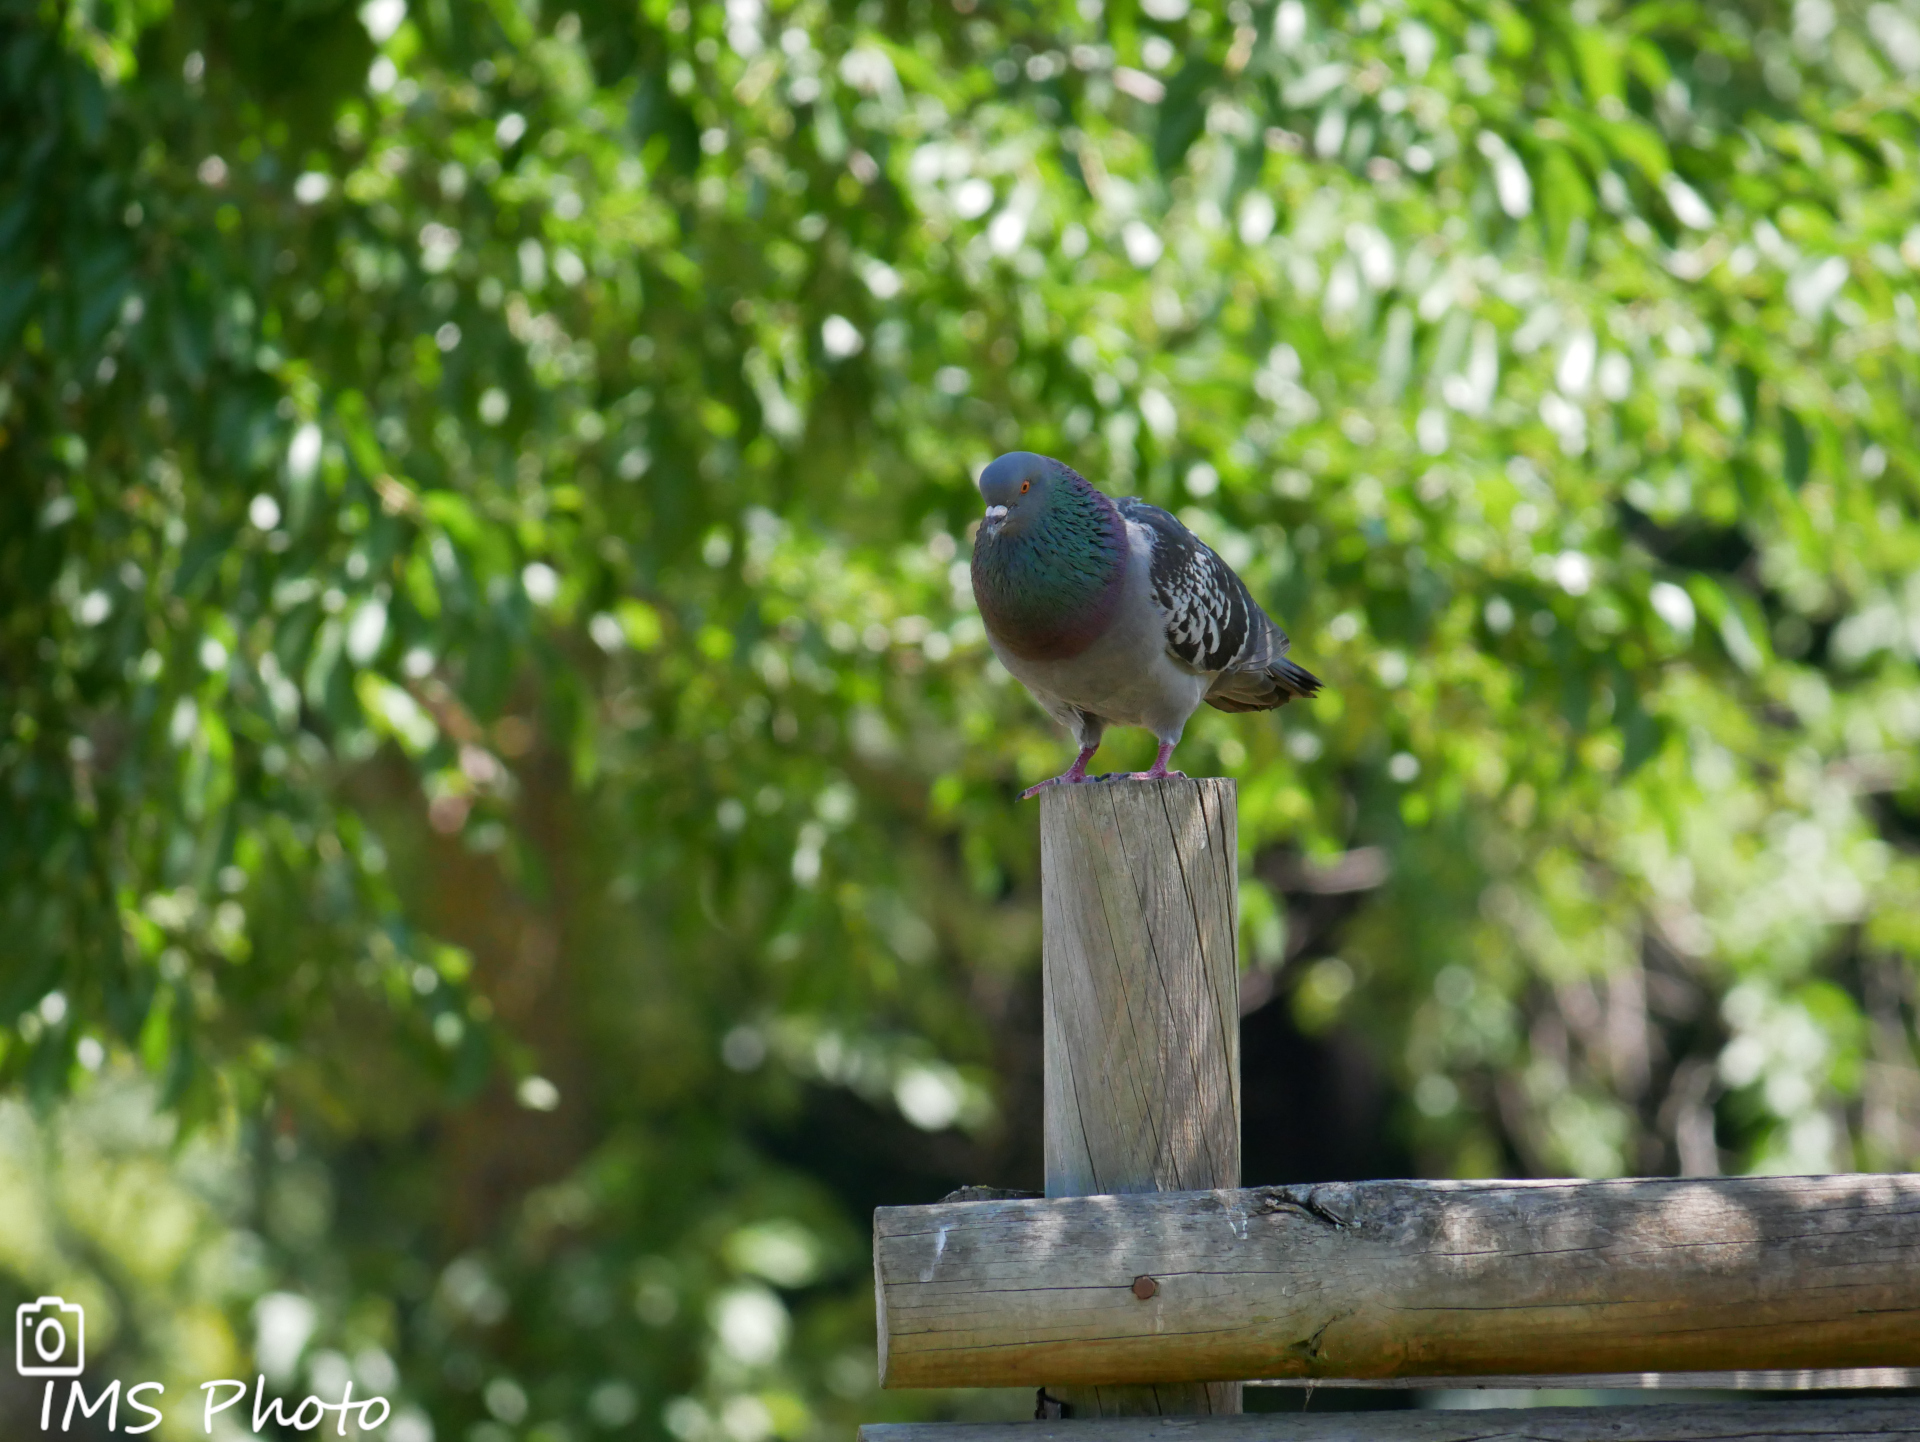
(1183, 113)
(873, 1157)
(296, 58)
(658, 113)
(1692, 547)
(1313, 1108)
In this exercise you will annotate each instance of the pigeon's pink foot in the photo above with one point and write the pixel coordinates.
(1159, 772)
(1072, 776)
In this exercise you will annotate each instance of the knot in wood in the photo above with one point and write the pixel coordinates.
(1144, 1287)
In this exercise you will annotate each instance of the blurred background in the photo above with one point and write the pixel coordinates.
(507, 833)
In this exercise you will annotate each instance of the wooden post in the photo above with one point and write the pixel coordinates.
(1140, 915)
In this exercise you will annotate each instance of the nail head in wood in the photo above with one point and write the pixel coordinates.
(1144, 1287)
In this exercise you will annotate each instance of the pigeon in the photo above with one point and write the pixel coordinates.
(1112, 613)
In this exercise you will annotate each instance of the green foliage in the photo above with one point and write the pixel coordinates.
(483, 515)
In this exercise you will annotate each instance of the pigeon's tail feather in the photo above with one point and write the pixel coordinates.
(1262, 689)
(1298, 680)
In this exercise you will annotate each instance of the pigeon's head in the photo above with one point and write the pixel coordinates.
(1017, 488)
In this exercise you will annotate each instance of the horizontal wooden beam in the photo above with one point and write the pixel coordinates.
(1402, 1279)
(1825, 1379)
(1852, 1419)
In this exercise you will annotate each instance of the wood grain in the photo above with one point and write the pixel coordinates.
(1852, 1419)
(1141, 986)
(1405, 1279)
(1822, 1379)
(1140, 921)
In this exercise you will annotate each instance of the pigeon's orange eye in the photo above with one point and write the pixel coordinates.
(1025, 486)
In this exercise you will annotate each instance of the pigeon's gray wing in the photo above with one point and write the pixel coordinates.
(1213, 624)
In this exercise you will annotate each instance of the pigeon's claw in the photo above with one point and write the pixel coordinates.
(1064, 779)
(1072, 776)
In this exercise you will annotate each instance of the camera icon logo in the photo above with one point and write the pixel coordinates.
(50, 1338)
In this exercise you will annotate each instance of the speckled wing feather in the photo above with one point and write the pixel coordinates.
(1213, 623)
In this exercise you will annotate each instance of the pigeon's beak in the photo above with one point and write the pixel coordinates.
(996, 513)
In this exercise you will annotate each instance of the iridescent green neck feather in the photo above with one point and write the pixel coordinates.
(1048, 588)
